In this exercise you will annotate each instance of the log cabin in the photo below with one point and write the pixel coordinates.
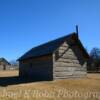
(4, 64)
(61, 58)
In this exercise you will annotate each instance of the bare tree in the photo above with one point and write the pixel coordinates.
(95, 59)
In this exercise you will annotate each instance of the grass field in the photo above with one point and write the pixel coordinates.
(77, 89)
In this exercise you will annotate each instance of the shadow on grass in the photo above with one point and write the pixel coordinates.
(5, 81)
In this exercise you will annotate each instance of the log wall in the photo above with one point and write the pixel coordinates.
(68, 62)
(40, 68)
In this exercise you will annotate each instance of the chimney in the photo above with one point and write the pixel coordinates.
(77, 31)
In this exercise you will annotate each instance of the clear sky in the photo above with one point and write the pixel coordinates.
(27, 23)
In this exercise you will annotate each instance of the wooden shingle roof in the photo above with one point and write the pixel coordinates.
(48, 48)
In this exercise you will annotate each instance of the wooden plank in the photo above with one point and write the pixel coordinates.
(68, 60)
(68, 69)
(63, 64)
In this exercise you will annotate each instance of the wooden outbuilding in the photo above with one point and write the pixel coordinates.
(4, 64)
(61, 58)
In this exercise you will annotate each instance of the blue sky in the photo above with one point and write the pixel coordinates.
(27, 23)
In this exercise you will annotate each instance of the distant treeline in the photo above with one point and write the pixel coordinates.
(94, 61)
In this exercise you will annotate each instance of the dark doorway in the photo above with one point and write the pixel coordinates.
(4, 67)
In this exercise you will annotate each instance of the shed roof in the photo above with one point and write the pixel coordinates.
(50, 47)
(4, 61)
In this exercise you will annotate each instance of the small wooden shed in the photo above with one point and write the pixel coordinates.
(4, 64)
(61, 58)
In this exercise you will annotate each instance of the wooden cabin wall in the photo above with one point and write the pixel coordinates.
(68, 61)
(37, 68)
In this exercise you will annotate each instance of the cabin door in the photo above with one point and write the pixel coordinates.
(30, 72)
(4, 67)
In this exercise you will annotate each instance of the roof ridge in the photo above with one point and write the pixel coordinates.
(70, 34)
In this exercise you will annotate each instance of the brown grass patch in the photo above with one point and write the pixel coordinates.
(88, 89)
(8, 73)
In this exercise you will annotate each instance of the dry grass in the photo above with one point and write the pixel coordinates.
(8, 73)
(77, 89)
